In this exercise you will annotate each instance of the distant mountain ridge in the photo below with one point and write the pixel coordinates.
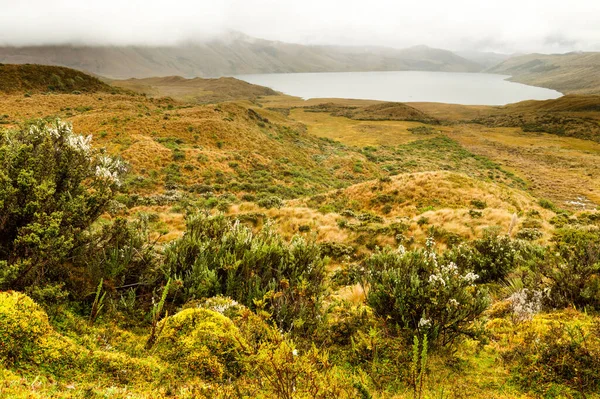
(235, 54)
(571, 73)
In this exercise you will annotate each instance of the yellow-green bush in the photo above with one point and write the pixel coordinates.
(201, 342)
(23, 324)
(557, 354)
(282, 371)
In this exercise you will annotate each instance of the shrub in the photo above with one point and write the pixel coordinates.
(53, 186)
(270, 202)
(202, 342)
(478, 204)
(529, 234)
(262, 271)
(491, 257)
(418, 295)
(563, 353)
(573, 268)
(120, 253)
(22, 325)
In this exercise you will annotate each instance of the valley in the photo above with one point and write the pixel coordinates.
(214, 239)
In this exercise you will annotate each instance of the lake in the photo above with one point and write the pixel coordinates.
(404, 86)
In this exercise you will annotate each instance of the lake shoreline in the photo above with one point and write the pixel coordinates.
(464, 88)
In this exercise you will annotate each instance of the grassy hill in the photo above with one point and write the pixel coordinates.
(382, 111)
(573, 116)
(572, 73)
(196, 90)
(235, 54)
(43, 78)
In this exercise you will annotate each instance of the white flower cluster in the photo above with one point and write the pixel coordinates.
(470, 277)
(80, 143)
(110, 169)
(525, 304)
(450, 271)
(424, 323)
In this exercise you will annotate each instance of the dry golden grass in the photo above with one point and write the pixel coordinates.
(355, 294)
(562, 169)
(285, 101)
(358, 133)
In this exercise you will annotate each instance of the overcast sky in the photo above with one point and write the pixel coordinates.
(502, 26)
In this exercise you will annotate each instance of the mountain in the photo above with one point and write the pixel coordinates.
(571, 73)
(235, 54)
(484, 58)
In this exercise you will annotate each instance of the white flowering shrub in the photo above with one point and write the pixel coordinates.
(415, 293)
(53, 186)
(525, 304)
(492, 257)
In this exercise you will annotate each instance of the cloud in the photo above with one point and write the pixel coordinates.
(508, 26)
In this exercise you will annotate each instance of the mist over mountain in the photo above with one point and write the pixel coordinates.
(235, 54)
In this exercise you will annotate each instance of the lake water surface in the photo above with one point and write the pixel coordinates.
(404, 86)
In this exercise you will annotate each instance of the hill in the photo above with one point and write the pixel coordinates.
(196, 90)
(572, 73)
(235, 54)
(390, 111)
(44, 78)
(571, 115)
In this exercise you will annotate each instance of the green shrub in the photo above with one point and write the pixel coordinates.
(53, 186)
(491, 257)
(219, 257)
(478, 204)
(22, 326)
(120, 253)
(418, 295)
(573, 268)
(270, 202)
(529, 233)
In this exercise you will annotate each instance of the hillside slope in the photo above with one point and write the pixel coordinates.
(196, 90)
(572, 73)
(571, 116)
(234, 55)
(44, 78)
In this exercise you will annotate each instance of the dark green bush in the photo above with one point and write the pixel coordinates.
(120, 253)
(478, 204)
(270, 202)
(219, 257)
(573, 268)
(491, 257)
(529, 233)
